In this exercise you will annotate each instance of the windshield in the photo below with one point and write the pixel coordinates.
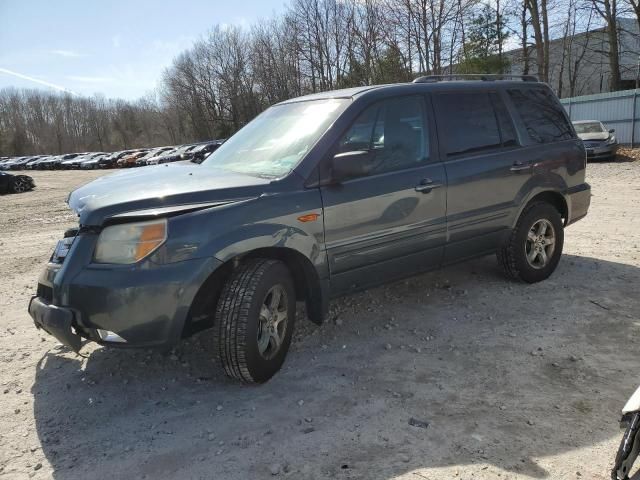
(591, 127)
(274, 142)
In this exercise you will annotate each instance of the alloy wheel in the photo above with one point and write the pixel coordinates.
(272, 321)
(19, 185)
(540, 243)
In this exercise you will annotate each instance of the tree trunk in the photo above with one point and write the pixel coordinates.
(538, 35)
(525, 45)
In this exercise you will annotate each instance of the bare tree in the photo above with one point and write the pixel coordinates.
(608, 10)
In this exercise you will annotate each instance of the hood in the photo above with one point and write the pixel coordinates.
(161, 186)
(593, 136)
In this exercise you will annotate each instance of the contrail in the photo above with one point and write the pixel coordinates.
(41, 82)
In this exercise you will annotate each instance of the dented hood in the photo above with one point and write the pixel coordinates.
(159, 187)
(593, 136)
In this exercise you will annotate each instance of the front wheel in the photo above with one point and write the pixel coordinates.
(533, 249)
(254, 320)
(20, 185)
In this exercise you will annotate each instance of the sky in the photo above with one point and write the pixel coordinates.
(117, 48)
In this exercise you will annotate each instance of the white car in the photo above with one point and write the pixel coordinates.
(599, 142)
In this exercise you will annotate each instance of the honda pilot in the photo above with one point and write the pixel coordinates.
(316, 197)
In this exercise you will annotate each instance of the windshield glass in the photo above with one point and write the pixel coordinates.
(592, 127)
(274, 142)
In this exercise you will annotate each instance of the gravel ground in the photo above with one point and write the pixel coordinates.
(458, 373)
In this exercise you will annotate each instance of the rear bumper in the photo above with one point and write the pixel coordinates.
(579, 201)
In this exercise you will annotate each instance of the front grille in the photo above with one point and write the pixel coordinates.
(45, 292)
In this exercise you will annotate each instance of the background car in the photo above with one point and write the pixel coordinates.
(33, 164)
(110, 161)
(599, 142)
(55, 161)
(20, 164)
(15, 183)
(8, 164)
(202, 151)
(130, 160)
(181, 153)
(156, 152)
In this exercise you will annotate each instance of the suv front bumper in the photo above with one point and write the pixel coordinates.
(145, 306)
(55, 321)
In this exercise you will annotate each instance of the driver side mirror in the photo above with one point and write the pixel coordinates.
(353, 164)
(612, 130)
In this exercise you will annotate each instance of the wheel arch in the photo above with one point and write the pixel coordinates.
(310, 288)
(552, 197)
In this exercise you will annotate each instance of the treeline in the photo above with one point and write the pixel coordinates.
(232, 73)
(41, 122)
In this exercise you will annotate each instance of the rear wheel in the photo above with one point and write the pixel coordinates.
(533, 249)
(254, 320)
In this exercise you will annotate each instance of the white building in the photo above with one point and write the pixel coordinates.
(582, 61)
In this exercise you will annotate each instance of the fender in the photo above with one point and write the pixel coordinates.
(295, 236)
(545, 182)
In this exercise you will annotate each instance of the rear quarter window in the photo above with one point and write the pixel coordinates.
(542, 115)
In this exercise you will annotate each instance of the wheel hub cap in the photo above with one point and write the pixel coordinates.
(272, 321)
(540, 243)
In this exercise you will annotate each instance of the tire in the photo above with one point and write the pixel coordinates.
(515, 255)
(628, 450)
(241, 323)
(19, 185)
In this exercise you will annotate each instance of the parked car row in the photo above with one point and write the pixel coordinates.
(126, 158)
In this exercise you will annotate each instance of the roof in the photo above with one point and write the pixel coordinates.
(407, 88)
(341, 93)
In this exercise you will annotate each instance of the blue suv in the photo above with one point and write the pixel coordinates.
(316, 197)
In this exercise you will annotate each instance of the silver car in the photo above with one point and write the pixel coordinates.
(599, 142)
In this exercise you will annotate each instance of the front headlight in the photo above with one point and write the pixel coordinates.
(611, 140)
(130, 242)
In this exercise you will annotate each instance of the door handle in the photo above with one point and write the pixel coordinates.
(521, 166)
(426, 185)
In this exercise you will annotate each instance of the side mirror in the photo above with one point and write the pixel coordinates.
(612, 130)
(351, 165)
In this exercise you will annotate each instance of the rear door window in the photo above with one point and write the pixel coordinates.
(542, 116)
(468, 122)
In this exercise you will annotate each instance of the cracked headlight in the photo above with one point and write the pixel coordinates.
(611, 140)
(130, 242)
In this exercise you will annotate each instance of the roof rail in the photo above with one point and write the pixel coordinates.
(485, 77)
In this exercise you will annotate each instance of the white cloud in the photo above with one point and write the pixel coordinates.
(67, 53)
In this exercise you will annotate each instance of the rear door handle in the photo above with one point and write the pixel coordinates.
(426, 185)
(521, 166)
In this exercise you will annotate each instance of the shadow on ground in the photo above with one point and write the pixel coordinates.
(505, 375)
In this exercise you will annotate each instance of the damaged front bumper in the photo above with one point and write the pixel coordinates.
(142, 305)
(55, 321)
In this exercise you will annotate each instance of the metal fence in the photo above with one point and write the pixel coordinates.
(619, 110)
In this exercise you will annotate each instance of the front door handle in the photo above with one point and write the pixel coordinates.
(426, 185)
(521, 166)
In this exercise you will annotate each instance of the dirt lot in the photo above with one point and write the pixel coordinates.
(515, 381)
